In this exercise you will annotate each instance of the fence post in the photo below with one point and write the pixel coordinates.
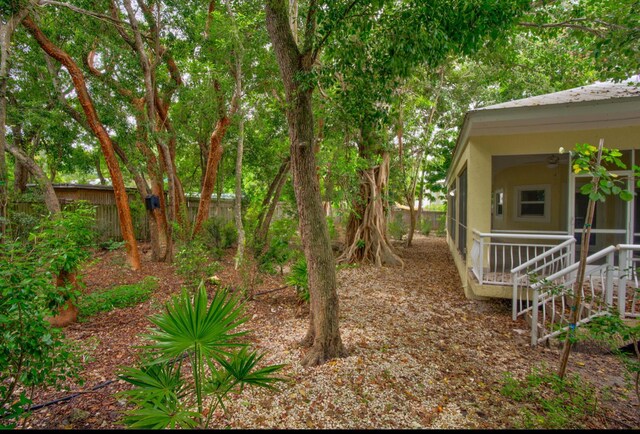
(534, 318)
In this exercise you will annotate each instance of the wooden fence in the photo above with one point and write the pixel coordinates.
(426, 216)
(108, 223)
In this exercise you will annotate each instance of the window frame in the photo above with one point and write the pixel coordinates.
(517, 216)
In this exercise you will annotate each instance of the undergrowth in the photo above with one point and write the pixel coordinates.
(550, 402)
(117, 297)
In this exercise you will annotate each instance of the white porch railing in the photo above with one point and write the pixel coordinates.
(629, 285)
(549, 262)
(605, 286)
(494, 254)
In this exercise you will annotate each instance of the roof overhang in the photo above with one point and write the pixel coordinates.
(574, 116)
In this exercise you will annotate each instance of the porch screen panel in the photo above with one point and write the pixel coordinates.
(462, 213)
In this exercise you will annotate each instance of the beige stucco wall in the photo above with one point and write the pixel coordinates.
(510, 178)
(476, 156)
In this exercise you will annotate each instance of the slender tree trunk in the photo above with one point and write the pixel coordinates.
(237, 211)
(6, 33)
(324, 329)
(582, 266)
(421, 194)
(99, 170)
(20, 177)
(122, 201)
(269, 204)
(213, 160)
(50, 198)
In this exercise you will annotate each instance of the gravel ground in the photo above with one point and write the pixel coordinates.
(420, 355)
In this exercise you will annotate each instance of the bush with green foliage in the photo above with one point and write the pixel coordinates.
(111, 245)
(442, 225)
(32, 353)
(614, 332)
(397, 228)
(219, 234)
(67, 236)
(194, 263)
(299, 279)
(220, 363)
(425, 226)
(550, 402)
(283, 246)
(118, 297)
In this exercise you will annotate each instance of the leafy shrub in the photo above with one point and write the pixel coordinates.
(299, 279)
(397, 228)
(551, 402)
(425, 226)
(111, 245)
(442, 225)
(614, 331)
(32, 353)
(333, 230)
(67, 237)
(219, 235)
(220, 363)
(283, 237)
(118, 297)
(195, 263)
(21, 224)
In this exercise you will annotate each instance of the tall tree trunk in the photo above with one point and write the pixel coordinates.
(575, 305)
(366, 232)
(420, 198)
(237, 208)
(268, 207)
(6, 33)
(324, 331)
(122, 202)
(213, 160)
(20, 177)
(99, 170)
(50, 198)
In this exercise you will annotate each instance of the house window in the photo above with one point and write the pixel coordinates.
(498, 203)
(532, 202)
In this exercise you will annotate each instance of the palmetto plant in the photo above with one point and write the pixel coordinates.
(204, 336)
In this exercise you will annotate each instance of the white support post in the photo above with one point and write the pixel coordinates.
(481, 260)
(514, 304)
(534, 318)
(609, 279)
(623, 265)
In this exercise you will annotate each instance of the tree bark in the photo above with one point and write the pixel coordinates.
(269, 204)
(158, 225)
(366, 231)
(50, 198)
(582, 266)
(324, 329)
(122, 202)
(237, 208)
(213, 159)
(6, 34)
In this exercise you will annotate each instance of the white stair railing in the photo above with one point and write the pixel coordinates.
(607, 287)
(550, 307)
(545, 264)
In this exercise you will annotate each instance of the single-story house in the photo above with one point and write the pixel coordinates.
(512, 194)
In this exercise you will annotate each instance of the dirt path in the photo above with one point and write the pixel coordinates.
(421, 355)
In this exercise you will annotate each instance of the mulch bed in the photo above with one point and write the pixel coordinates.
(420, 353)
